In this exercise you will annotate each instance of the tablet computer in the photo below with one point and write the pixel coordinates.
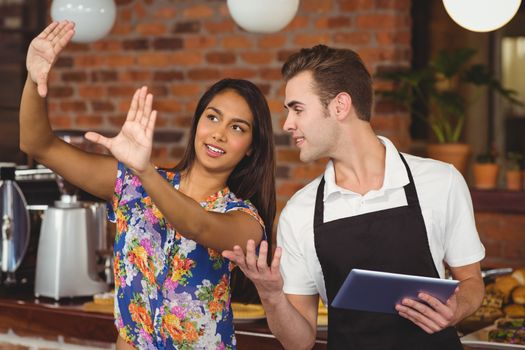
(380, 291)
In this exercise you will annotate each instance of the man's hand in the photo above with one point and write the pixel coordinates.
(132, 146)
(43, 52)
(267, 279)
(433, 316)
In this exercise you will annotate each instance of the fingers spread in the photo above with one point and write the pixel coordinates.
(134, 105)
(276, 260)
(262, 265)
(151, 124)
(251, 258)
(48, 30)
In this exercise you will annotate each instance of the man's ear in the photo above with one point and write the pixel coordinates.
(341, 105)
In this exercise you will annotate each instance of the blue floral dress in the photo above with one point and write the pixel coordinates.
(170, 292)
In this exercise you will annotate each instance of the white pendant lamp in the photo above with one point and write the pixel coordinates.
(263, 16)
(482, 15)
(93, 18)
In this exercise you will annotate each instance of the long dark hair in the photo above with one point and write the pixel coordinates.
(254, 177)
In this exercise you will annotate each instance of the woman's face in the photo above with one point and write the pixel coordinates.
(224, 132)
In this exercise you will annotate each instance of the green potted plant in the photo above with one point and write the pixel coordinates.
(486, 171)
(433, 93)
(513, 173)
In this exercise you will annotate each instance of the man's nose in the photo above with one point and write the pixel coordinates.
(289, 124)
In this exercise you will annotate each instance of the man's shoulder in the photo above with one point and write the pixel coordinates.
(430, 168)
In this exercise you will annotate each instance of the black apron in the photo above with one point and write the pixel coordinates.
(392, 240)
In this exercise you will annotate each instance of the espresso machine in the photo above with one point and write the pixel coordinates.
(71, 235)
(15, 234)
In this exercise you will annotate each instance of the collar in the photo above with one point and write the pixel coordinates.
(395, 174)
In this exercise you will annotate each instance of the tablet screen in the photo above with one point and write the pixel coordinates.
(376, 291)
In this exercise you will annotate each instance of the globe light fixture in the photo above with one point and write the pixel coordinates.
(93, 18)
(263, 16)
(481, 15)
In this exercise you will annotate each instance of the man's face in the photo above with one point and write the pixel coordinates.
(313, 129)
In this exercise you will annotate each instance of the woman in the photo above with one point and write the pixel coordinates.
(172, 285)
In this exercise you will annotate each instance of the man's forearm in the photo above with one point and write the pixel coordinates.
(287, 324)
(469, 298)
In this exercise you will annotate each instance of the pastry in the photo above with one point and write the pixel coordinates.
(519, 275)
(514, 310)
(518, 295)
(506, 284)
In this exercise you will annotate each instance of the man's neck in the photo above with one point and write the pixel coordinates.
(360, 164)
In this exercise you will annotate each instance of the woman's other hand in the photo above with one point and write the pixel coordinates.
(132, 146)
(44, 49)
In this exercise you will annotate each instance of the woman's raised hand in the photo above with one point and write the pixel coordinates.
(132, 146)
(44, 49)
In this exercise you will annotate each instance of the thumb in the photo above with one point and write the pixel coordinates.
(97, 138)
(42, 85)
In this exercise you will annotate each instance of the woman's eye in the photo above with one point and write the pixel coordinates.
(237, 128)
(212, 117)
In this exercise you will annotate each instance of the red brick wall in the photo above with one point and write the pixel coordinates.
(504, 238)
(178, 48)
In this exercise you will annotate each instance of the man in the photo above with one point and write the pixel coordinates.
(374, 209)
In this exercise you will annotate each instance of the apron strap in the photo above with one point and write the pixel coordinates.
(410, 193)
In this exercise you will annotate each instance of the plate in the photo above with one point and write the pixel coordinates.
(480, 339)
(247, 312)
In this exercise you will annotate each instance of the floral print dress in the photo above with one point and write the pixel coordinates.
(170, 292)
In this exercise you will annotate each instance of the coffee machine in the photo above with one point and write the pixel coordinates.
(14, 220)
(71, 234)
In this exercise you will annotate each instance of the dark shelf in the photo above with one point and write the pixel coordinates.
(498, 201)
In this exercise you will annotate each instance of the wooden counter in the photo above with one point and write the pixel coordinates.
(28, 316)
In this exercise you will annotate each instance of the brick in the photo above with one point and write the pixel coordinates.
(60, 91)
(316, 6)
(8, 346)
(258, 57)
(73, 106)
(220, 57)
(177, 152)
(271, 41)
(308, 171)
(271, 73)
(353, 38)
(135, 44)
(187, 27)
(107, 45)
(288, 188)
(239, 73)
(204, 74)
(121, 28)
(282, 139)
(168, 75)
(167, 106)
(333, 22)
(74, 76)
(355, 5)
(307, 40)
(156, 29)
(118, 61)
(200, 42)
(380, 21)
(92, 91)
(63, 62)
(88, 121)
(236, 42)
(102, 106)
(282, 172)
(225, 26)
(88, 61)
(186, 89)
(154, 59)
(117, 121)
(393, 38)
(186, 58)
(135, 76)
(288, 155)
(166, 12)
(158, 90)
(104, 76)
(283, 55)
(299, 22)
(198, 12)
(168, 43)
(182, 121)
(122, 91)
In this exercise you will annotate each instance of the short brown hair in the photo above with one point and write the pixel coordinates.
(334, 71)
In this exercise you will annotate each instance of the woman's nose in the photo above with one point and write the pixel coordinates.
(219, 134)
